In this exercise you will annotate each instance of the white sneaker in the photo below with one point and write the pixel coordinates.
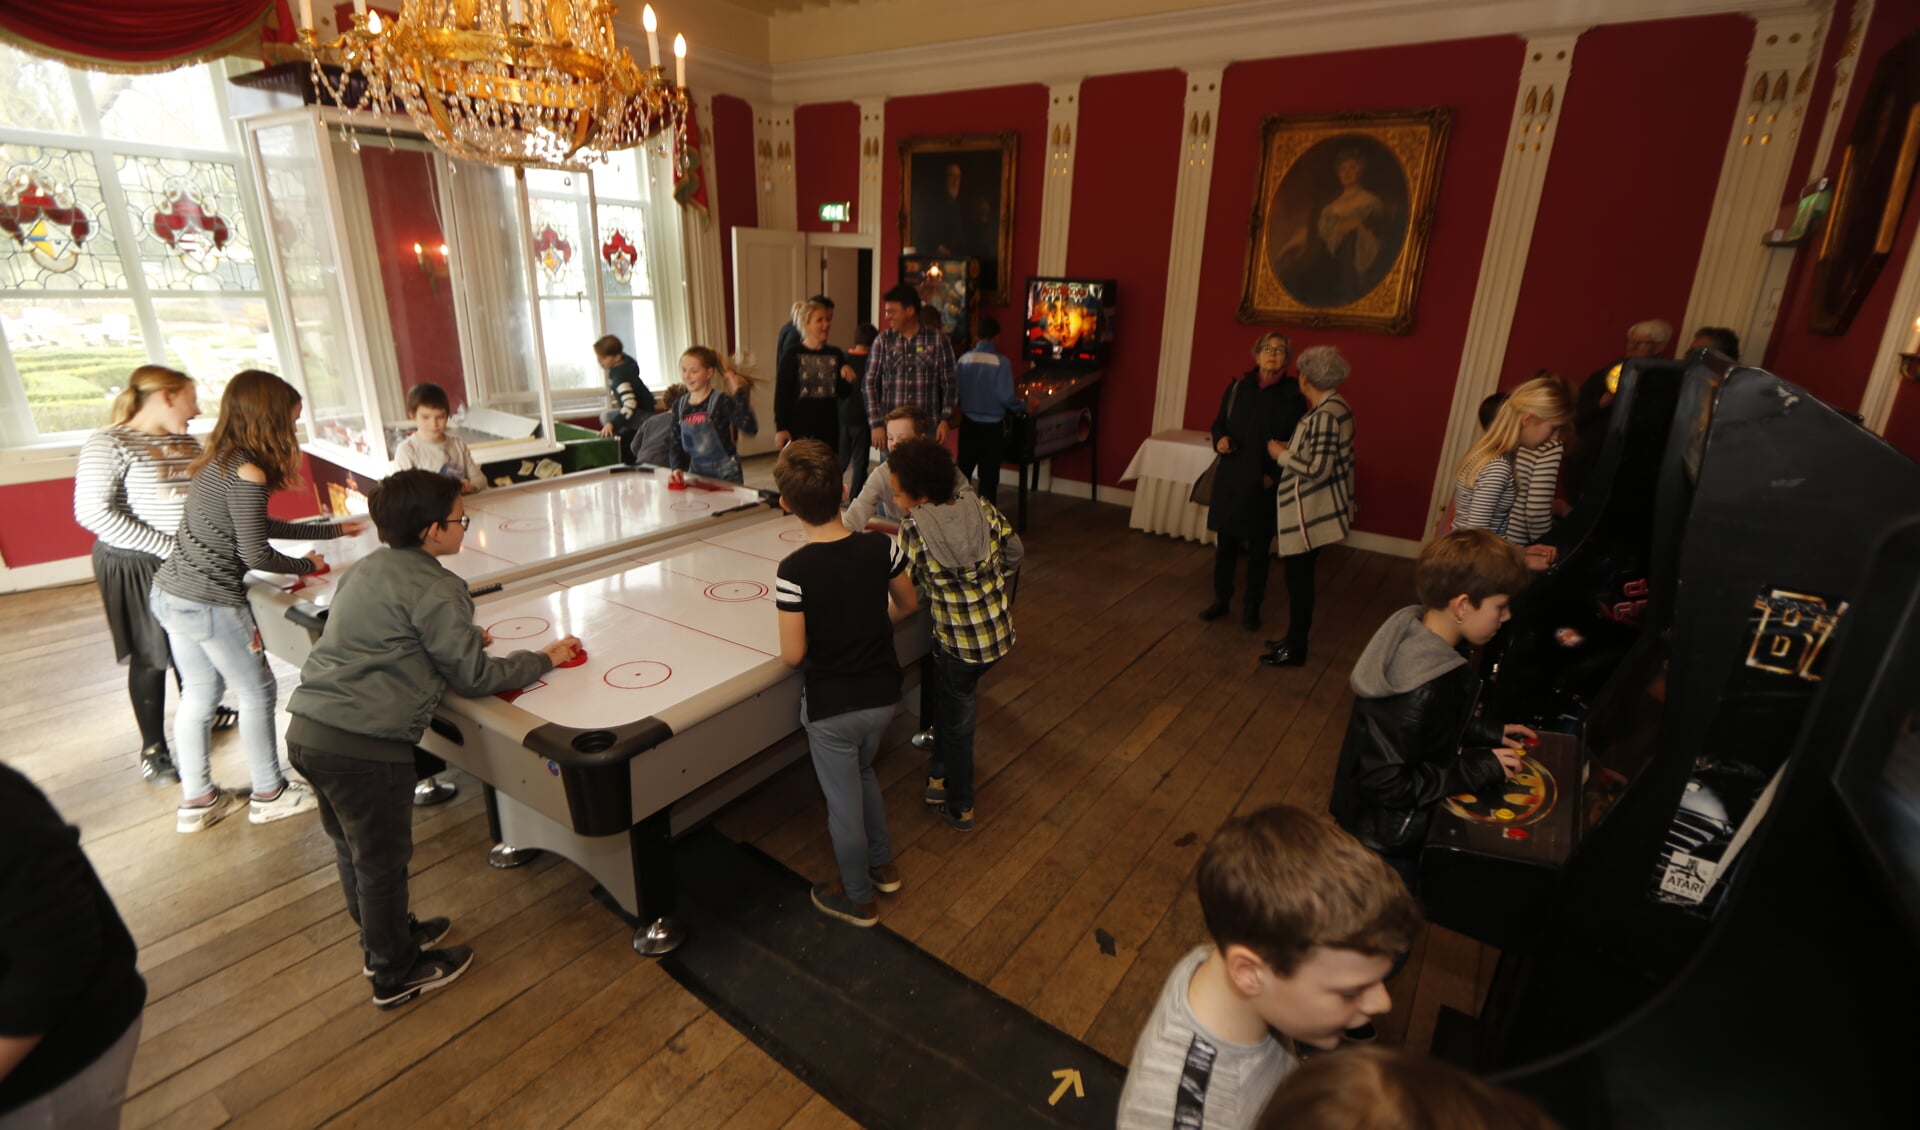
(294, 799)
(198, 818)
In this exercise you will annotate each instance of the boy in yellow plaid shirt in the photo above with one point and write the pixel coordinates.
(963, 555)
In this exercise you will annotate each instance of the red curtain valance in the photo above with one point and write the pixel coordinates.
(134, 35)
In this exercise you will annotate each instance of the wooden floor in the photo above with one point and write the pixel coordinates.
(1112, 742)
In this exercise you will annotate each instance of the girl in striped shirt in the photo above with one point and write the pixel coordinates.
(1485, 487)
(200, 595)
(128, 491)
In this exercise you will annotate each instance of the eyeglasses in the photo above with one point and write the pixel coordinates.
(464, 521)
(1273, 349)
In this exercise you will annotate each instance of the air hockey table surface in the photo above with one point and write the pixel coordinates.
(681, 704)
(516, 531)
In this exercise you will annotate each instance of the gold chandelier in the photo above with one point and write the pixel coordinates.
(518, 83)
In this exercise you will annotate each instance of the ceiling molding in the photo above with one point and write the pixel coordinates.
(1212, 37)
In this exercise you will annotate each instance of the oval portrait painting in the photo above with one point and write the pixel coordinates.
(1338, 218)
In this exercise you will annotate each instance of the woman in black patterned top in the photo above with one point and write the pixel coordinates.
(128, 491)
(200, 595)
(812, 380)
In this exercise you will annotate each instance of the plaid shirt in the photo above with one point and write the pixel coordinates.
(972, 610)
(916, 370)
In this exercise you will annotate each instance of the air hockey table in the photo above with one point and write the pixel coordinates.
(517, 531)
(681, 704)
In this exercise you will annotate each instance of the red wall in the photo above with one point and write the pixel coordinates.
(733, 175)
(826, 162)
(1623, 213)
(1021, 109)
(1837, 368)
(401, 199)
(39, 524)
(1126, 166)
(1402, 386)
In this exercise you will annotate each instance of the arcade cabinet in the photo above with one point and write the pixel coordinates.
(1718, 951)
(1491, 862)
(1573, 625)
(1068, 338)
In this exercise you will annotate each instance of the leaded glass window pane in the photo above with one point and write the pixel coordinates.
(73, 354)
(622, 251)
(176, 108)
(192, 229)
(54, 233)
(36, 94)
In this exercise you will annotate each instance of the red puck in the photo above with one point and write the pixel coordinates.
(579, 657)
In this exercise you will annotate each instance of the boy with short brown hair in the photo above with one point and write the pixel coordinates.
(1415, 695)
(1306, 923)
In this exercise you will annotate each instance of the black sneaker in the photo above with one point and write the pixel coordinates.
(225, 718)
(959, 819)
(156, 765)
(1214, 611)
(426, 935)
(434, 969)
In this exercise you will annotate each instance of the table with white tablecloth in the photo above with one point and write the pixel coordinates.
(1164, 471)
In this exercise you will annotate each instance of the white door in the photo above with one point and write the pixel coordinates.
(769, 276)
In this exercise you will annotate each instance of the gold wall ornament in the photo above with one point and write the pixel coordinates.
(516, 83)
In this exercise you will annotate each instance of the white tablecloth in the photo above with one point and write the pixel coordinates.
(1165, 468)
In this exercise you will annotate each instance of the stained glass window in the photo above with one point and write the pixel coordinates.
(192, 229)
(54, 230)
(609, 234)
(125, 240)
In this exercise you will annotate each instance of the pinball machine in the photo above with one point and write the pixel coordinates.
(1067, 337)
(1685, 968)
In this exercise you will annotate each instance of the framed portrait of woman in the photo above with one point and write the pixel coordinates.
(1341, 213)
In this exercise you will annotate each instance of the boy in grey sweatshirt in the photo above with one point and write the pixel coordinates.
(399, 634)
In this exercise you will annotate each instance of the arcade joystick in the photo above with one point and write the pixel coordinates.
(579, 657)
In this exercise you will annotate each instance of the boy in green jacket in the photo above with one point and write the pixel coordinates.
(399, 634)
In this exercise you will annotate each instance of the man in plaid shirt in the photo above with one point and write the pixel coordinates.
(963, 555)
(911, 363)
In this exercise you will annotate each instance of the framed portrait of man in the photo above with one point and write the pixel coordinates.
(1341, 214)
(956, 202)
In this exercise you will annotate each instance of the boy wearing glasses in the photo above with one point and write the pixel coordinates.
(399, 634)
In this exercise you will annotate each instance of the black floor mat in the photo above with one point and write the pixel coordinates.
(889, 1034)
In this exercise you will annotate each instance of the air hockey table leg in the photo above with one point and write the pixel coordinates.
(432, 790)
(503, 855)
(651, 841)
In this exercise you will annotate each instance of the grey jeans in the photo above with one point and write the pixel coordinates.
(90, 1100)
(844, 747)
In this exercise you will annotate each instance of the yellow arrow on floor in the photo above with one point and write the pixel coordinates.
(1068, 1078)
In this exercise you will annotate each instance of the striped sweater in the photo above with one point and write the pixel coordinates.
(1536, 474)
(130, 487)
(1315, 496)
(224, 533)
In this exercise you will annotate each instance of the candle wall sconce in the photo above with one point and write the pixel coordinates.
(433, 263)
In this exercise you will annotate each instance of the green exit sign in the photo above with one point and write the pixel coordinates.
(839, 213)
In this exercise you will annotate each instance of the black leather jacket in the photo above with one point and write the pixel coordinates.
(1403, 753)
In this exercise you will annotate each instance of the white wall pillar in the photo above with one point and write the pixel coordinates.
(1753, 172)
(700, 236)
(1198, 116)
(873, 128)
(1056, 196)
(1503, 261)
(1901, 335)
(773, 168)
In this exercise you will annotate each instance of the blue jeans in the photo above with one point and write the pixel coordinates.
(215, 646)
(955, 706)
(844, 747)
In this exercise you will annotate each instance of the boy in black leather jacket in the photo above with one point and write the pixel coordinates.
(1414, 699)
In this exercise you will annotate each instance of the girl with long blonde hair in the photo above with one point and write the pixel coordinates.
(128, 490)
(1484, 487)
(200, 596)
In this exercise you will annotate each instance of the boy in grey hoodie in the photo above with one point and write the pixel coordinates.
(399, 634)
(964, 555)
(1414, 700)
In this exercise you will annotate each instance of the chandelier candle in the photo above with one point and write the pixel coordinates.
(652, 23)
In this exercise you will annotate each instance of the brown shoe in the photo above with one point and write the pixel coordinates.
(886, 878)
(831, 898)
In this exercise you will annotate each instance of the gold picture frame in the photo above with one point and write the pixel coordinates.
(1341, 214)
(956, 201)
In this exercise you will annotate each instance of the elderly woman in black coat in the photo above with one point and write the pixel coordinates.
(1260, 405)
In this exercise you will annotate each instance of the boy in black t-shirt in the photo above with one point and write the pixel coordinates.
(833, 595)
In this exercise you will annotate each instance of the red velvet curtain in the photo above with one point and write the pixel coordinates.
(133, 35)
